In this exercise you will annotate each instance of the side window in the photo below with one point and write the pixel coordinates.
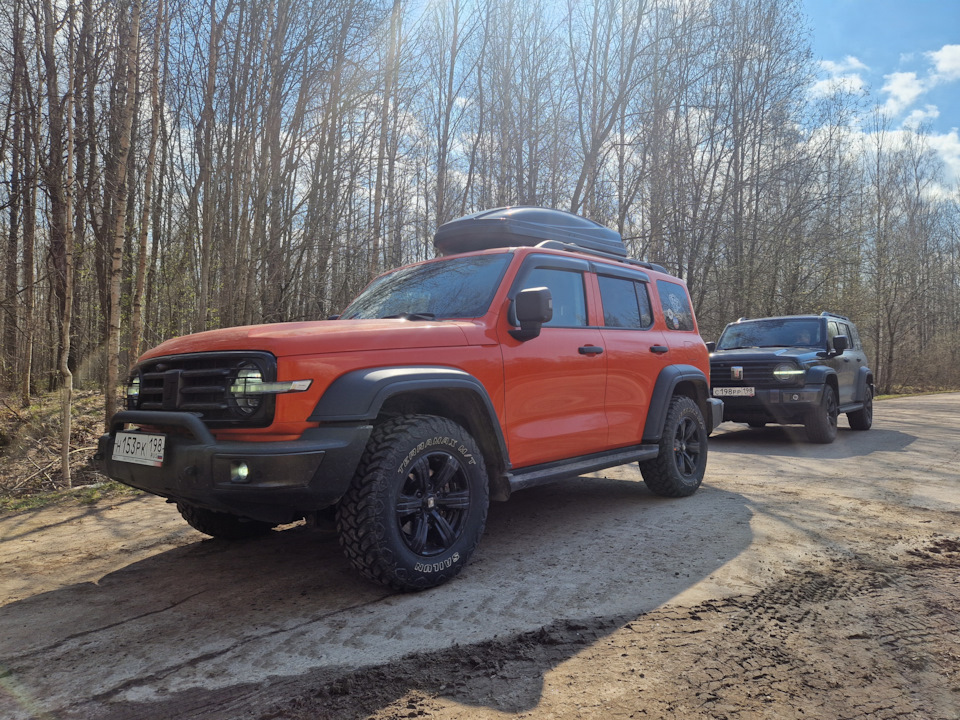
(676, 305)
(625, 303)
(855, 338)
(569, 298)
(832, 331)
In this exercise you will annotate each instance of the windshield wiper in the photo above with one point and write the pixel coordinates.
(411, 316)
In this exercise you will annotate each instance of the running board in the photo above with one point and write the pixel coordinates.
(548, 472)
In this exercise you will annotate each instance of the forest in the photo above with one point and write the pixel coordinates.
(170, 166)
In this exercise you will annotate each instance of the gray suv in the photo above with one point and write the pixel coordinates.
(804, 369)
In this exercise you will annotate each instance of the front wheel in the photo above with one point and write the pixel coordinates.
(821, 425)
(678, 469)
(416, 508)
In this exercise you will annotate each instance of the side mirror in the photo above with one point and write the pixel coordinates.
(532, 308)
(711, 346)
(840, 343)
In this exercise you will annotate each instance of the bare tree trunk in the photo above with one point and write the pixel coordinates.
(136, 322)
(66, 375)
(389, 78)
(17, 186)
(130, 49)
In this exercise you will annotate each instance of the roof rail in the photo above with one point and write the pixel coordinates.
(572, 247)
(830, 314)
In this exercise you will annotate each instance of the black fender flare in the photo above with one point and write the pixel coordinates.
(667, 381)
(359, 395)
(820, 375)
(864, 382)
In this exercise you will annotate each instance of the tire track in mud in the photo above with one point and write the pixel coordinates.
(845, 638)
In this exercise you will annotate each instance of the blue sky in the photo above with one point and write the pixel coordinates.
(904, 54)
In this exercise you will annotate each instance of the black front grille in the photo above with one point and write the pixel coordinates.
(755, 373)
(200, 383)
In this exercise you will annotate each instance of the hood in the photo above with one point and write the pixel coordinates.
(321, 336)
(800, 354)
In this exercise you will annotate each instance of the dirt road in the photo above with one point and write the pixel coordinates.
(801, 581)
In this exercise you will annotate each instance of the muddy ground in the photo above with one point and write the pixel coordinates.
(801, 581)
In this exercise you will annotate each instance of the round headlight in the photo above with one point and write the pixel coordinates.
(246, 390)
(787, 372)
(133, 393)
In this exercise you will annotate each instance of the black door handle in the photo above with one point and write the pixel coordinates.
(590, 350)
(659, 349)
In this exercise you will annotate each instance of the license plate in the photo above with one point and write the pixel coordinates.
(139, 448)
(733, 392)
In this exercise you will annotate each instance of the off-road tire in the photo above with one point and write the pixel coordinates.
(821, 424)
(417, 505)
(862, 419)
(678, 469)
(222, 525)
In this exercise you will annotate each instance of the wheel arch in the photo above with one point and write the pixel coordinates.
(373, 394)
(685, 380)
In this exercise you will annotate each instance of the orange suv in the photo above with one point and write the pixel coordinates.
(531, 349)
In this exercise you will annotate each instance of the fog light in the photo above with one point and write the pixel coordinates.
(239, 472)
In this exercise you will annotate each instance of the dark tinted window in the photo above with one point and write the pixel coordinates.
(569, 299)
(625, 303)
(457, 288)
(676, 306)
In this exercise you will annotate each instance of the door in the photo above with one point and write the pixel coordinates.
(636, 353)
(555, 383)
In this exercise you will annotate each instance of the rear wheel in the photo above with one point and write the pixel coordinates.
(678, 469)
(821, 425)
(222, 525)
(862, 419)
(416, 508)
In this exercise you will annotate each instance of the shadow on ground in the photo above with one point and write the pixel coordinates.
(220, 630)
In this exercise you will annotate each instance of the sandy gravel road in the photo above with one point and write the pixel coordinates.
(801, 581)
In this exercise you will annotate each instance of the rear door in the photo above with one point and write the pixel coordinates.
(848, 364)
(636, 351)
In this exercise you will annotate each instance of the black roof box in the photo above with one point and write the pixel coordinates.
(524, 225)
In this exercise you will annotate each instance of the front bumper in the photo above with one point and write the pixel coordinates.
(781, 405)
(285, 480)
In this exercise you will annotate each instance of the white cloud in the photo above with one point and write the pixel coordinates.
(947, 147)
(850, 83)
(918, 116)
(847, 65)
(946, 62)
(903, 89)
(842, 78)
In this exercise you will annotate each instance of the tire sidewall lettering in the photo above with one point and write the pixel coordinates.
(437, 566)
(456, 446)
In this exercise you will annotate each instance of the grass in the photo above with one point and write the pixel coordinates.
(83, 495)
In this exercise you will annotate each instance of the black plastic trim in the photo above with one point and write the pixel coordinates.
(549, 472)
(667, 381)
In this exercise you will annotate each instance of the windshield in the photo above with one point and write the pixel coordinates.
(772, 333)
(460, 287)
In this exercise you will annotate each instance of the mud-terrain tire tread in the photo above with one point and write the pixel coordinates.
(662, 474)
(862, 419)
(821, 424)
(361, 532)
(222, 525)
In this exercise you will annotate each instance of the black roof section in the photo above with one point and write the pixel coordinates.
(525, 225)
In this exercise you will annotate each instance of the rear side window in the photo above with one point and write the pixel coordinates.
(569, 298)
(625, 303)
(676, 305)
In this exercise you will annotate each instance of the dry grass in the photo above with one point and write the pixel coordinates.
(30, 444)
